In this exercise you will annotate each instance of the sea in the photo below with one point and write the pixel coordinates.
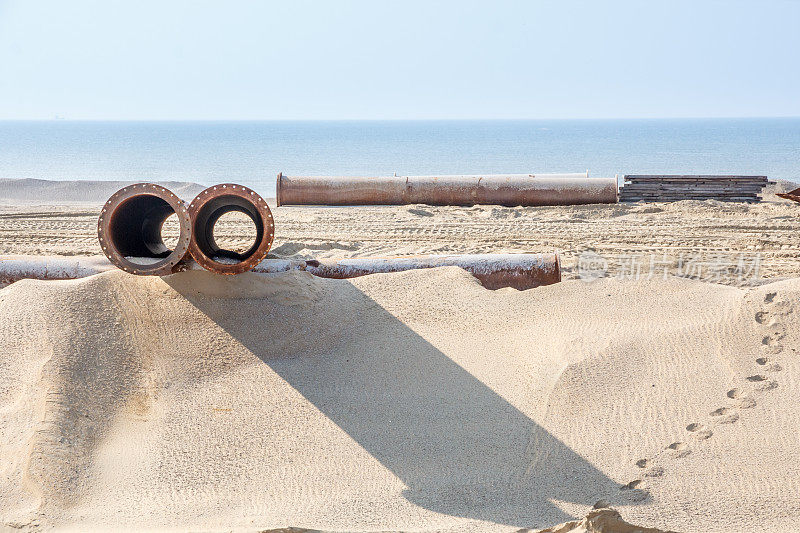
(252, 153)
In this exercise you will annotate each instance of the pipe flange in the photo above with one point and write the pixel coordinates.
(130, 226)
(121, 222)
(206, 209)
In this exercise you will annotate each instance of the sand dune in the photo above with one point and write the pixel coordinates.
(412, 401)
(601, 520)
(38, 192)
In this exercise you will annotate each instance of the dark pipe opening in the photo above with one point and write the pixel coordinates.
(207, 218)
(135, 229)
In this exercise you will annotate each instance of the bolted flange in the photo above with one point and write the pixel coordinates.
(208, 207)
(129, 229)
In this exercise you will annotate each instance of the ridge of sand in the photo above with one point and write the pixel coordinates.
(30, 191)
(413, 401)
(600, 521)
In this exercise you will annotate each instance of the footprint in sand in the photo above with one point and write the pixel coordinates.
(762, 382)
(631, 484)
(770, 344)
(773, 338)
(725, 415)
(679, 449)
(743, 401)
(768, 365)
(768, 385)
(656, 471)
(762, 317)
(599, 504)
(777, 306)
(642, 463)
(633, 493)
(774, 348)
(700, 431)
(728, 419)
(746, 402)
(721, 411)
(638, 495)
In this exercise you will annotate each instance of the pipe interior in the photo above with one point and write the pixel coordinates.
(207, 218)
(135, 228)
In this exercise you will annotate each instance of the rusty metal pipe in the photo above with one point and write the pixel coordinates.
(507, 190)
(207, 208)
(129, 229)
(494, 271)
(793, 195)
(17, 267)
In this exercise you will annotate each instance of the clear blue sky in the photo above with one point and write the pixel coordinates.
(294, 59)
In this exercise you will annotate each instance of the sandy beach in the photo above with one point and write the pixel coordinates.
(659, 378)
(399, 267)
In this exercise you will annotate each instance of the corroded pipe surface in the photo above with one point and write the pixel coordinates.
(507, 190)
(129, 229)
(494, 271)
(793, 195)
(16, 267)
(206, 209)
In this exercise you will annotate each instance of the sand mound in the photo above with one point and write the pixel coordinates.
(600, 521)
(411, 401)
(776, 186)
(35, 191)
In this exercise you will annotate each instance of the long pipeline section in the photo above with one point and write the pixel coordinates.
(494, 271)
(505, 189)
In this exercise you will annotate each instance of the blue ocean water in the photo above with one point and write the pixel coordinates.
(252, 153)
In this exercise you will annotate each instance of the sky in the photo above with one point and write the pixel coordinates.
(328, 60)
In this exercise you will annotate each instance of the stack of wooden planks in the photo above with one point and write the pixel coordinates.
(671, 188)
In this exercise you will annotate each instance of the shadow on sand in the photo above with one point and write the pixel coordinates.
(459, 447)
